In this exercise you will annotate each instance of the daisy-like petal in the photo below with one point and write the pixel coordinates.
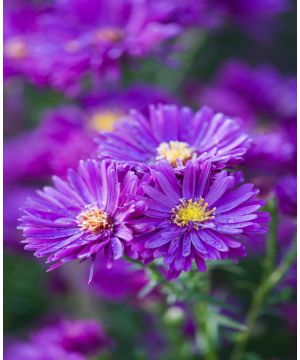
(85, 214)
(213, 218)
(177, 135)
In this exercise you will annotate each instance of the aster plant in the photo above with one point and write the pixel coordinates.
(171, 214)
(164, 192)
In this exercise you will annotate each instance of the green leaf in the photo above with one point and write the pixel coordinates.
(146, 290)
(229, 322)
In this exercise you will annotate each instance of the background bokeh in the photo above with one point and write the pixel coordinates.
(244, 69)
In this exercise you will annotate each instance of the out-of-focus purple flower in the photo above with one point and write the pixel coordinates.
(176, 135)
(251, 93)
(93, 211)
(71, 40)
(270, 151)
(68, 339)
(202, 216)
(60, 141)
(252, 15)
(31, 351)
(286, 191)
(104, 109)
(20, 21)
(65, 134)
(121, 282)
(13, 200)
(83, 337)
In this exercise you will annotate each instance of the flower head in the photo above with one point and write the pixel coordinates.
(61, 139)
(199, 216)
(176, 135)
(71, 41)
(252, 93)
(93, 211)
(68, 339)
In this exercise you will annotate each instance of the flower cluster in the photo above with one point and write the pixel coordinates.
(62, 43)
(158, 191)
(154, 143)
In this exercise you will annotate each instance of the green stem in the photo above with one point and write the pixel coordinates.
(259, 297)
(204, 333)
(272, 239)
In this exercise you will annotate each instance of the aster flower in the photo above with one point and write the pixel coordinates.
(202, 216)
(93, 211)
(59, 142)
(64, 135)
(105, 108)
(72, 40)
(176, 135)
(67, 339)
(264, 153)
(260, 92)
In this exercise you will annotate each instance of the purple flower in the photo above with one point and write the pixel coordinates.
(59, 142)
(13, 198)
(65, 134)
(93, 211)
(200, 216)
(260, 92)
(252, 15)
(71, 41)
(176, 135)
(286, 191)
(106, 283)
(273, 153)
(265, 155)
(68, 339)
(83, 337)
(30, 351)
(105, 108)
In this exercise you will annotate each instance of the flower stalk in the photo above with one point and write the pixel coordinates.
(258, 300)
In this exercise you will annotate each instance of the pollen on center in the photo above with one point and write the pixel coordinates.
(173, 151)
(192, 212)
(93, 220)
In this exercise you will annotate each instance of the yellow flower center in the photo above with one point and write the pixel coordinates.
(192, 212)
(104, 120)
(16, 48)
(109, 34)
(93, 220)
(173, 151)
